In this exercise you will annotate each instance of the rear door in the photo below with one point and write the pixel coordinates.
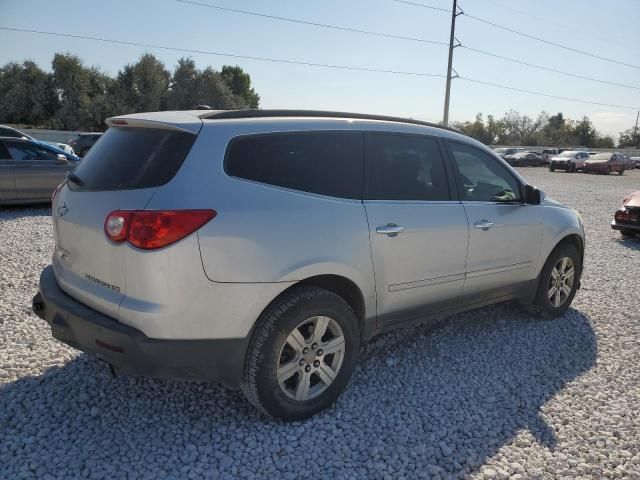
(7, 179)
(418, 232)
(122, 172)
(37, 170)
(504, 234)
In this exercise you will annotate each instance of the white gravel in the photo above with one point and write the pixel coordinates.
(488, 394)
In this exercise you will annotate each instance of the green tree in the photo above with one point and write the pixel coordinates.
(185, 85)
(629, 138)
(240, 84)
(72, 84)
(585, 133)
(27, 94)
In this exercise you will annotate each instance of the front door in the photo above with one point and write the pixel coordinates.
(504, 233)
(418, 234)
(38, 171)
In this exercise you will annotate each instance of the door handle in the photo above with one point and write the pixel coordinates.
(483, 225)
(390, 229)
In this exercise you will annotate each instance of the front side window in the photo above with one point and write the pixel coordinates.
(481, 178)
(27, 152)
(325, 163)
(405, 167)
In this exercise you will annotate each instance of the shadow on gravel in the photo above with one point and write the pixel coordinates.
(438, 399)
(630, 242)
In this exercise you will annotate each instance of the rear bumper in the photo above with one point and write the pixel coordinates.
(629, 227)
(596, 168)
(128, 350)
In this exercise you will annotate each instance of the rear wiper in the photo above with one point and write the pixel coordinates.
(75, 179)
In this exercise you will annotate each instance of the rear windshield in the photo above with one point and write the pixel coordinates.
(132, 158)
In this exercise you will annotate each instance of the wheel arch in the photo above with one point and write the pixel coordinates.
(345, 288)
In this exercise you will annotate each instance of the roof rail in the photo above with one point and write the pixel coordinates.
(237, 114)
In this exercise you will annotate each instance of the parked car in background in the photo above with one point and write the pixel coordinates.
(569, 161)
(6, 131)
(524, 159)
(636, 161)
(606, 163)
(159, 283)
(506, 151)
(30, 171)
(83, 143)
(627, 218)
(548, 153)
(629, 163)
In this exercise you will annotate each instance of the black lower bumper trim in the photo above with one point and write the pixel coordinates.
(626, 227)
(129, 350)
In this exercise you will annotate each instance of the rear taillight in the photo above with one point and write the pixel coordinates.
(151, 229)
(626, 216)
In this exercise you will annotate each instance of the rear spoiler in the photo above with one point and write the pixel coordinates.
(176, 121)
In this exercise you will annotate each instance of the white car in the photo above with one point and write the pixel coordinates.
(569, 160)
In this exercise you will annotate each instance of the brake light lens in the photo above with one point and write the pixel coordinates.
(626, 216)
(152, 229)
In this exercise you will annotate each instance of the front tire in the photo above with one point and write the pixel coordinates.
(552, 168)
(621, 171)
(558, 282)
(302, 354)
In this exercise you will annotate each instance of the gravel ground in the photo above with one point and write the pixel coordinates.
(488, 394)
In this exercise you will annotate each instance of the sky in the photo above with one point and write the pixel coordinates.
(608, 29)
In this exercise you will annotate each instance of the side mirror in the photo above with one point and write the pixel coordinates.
(61, 159)
(532, 196)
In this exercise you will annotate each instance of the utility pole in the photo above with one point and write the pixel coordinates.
(454, 14)
(635, 130)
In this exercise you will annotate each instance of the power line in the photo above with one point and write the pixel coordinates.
(542, 94)
(446, 10)
(222, 54)
(548, 21)
(298, 62)
(400, 37)
(565, 47)
(521, 62)
(314, 24)
(532, 37)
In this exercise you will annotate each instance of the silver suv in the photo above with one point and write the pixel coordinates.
(263, 249)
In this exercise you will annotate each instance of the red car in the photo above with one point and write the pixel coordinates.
(605, 163)
(627, 218)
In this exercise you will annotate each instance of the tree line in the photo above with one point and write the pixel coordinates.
(73, 96)
(555, 130)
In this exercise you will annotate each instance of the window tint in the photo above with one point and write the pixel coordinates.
(405, 167)
(127, 158)
(482, 178)
(4, 153)
(324, 163)
(27, 151)
(9, 132)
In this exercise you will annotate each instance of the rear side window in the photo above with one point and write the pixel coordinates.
(405, 167)
(131, 158)
(324, 163)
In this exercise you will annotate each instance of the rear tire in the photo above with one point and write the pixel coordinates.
(558, 282)
(287, 374)
(572, 168)
(552, 168)
(627, 233)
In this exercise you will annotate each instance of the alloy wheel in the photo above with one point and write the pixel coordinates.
(311, 357)
(561, 281)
